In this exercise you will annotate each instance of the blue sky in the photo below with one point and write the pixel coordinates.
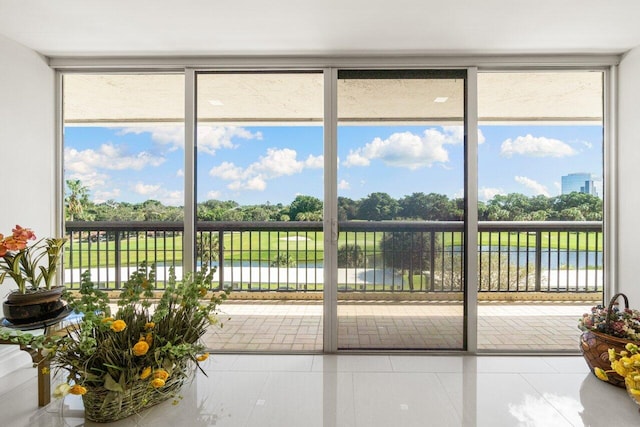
(255, 165)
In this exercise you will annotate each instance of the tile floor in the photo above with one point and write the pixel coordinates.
(360, 390)
(287, 326)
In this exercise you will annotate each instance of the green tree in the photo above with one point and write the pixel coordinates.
(347, 209)
(378, 207)
(351, 256)
(432, 207)
(408, 252)
(76, 200)
(283, 260)
(207, 247)
(304, 204)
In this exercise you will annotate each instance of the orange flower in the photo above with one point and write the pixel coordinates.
(202, 357)
(149, 325)
(77, 389)
(145, 373)
(149, 338)
(12, 244)
(118, 326)
(23, 234)
(157, 383)
(141, 348)
(161, 373)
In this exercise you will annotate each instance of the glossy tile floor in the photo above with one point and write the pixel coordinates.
(360, 390)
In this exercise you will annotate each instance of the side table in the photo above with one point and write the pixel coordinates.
(51, 327)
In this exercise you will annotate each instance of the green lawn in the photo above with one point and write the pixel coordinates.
(301, 246)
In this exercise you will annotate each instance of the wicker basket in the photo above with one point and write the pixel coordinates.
(103, 406)
(595, 346)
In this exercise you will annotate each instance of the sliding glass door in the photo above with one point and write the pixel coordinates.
(259, 180)
(401, 209)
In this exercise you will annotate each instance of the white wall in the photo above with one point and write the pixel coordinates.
(27, 149)
(628, 177)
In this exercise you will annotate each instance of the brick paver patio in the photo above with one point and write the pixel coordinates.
(297, 326)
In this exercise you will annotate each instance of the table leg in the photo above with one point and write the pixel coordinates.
(44, 382)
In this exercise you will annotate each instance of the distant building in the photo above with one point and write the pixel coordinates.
(578, 182)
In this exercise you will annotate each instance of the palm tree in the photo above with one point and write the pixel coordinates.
(77, 198)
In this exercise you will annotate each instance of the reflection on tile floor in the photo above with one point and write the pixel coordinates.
(297, 327)
(360, 390)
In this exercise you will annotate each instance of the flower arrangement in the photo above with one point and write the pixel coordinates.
(24, 263)
(140, 355)
(625, 363)
(619, 323)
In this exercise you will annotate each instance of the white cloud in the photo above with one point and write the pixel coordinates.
(456, 134)
(227, 171)
(145, 189)
(403, 149)
(108, 156)
(103, 196)
(343, 185)
(532, 185)
(214, 194)
(91, 179)
(532, 146)
(488, 193)
(158, 192)
(314, 162)
(210, 138)
(179, 172)
(275, 163)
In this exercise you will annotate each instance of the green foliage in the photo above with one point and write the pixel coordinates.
(378, 207)
(375, 207)
(33, 267)
(407, 251)
(351, 256)
(103, 350)
(283, 260)
(304, 205)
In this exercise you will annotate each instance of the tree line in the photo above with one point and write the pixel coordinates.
(377, 206)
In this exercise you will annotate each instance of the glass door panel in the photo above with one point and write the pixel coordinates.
(540, 210)
(259, 206)
(401, 209)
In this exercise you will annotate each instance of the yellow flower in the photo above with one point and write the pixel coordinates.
(202, 357)
(141, 348)
(161, 373)
(203, 292)
(107, 319)
(157, 383)
(149, 325)
(145, 373)
(77, 389)
(633, 348)
(601, 374)
(612, 354)
(61, 390)
(634, 391)
(45, 371)
(619, 368)
(118, 326)
(149, 338)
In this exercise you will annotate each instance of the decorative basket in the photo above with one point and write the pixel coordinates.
(103, 406)
(595, 346)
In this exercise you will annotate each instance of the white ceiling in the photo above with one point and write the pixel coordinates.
(325, 27)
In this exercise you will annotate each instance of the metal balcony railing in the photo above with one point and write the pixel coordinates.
(394, 256)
